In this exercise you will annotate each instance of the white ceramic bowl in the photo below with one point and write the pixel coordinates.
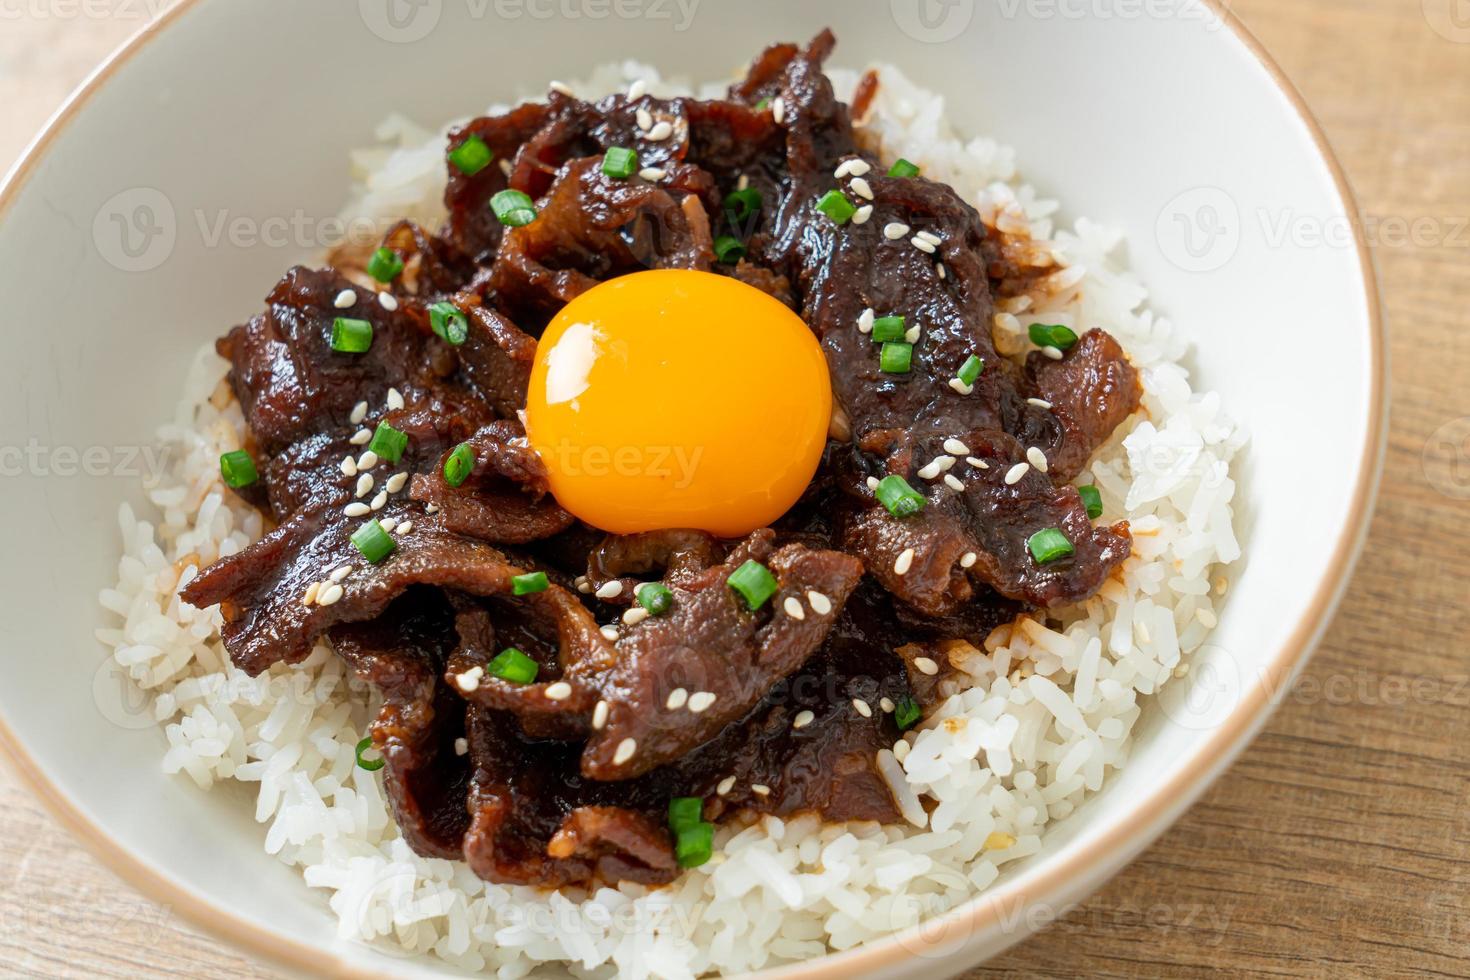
(1166, 120)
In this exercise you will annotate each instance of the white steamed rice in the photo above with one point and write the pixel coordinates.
(1043, 716)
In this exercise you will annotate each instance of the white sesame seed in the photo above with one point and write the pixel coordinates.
(803, 719)
(359, 412)
(627, 748)
(636, 90)
(1015, 473)
(953, 482)
(470, 679)
(357, 510)
(362, 437)
(610, 590)
(348, 466)
(821, 605)
(979, 464)
(940, 272)
(726, 784)
(584, 587)
(1052, 353)
(956, 448)
(760, 789)
(364, 485)
(644, 119)
(311, 593)
(968, 559)
(843, 169)
(505, 166)
(661, 131)
(930, 471)
(861, 188)
(911, 335)
(431, 508)
(1206, 618)
(926, 666)
(1038, 402)
(635, 615)
(862, 708)
(388, 524)
(901, 750)
(561, 87)
(1037, 458)
(345, 299)
(886, 704)
(405, 527)
(388, 301)
(609, 632)
(395, 399)
(922, 245)
(778, 110)
(792, 605)
(367, 460)
(599, 716)
(653, 173)
(340, 573)
(862, 214)
(380, 501)
(872, 483)
(960, 387)
(461, 746)
(701, 700)
(742, 183)
(865, 320)
(859, 168)
(904, 562)
(329, 595)
(395, 482)
(678, 697)
(929, 237)
(895, 230)
(559, 691)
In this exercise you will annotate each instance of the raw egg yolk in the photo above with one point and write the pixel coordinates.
(678, 399)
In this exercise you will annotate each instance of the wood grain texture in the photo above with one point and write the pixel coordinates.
(1340, 843)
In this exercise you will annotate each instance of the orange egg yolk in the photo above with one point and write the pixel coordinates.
(678, 399)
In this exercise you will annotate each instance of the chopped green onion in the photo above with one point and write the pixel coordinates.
(764, 103)
(471, 156)
(970, 370)
(755, 582)
(512, 665)
(385, 265)
(729, 249)
(655, 597)
(374, 542)
(529, 583)
(460, 463)
(238, 469)
(835, 205)
(388, 443)
(901, 499)
(741, 204)
(907, 713)
(620, 162)
(351, 336)
(371, 765)
(513, 208)
(448, 323)
(685, 811)
(1048, 545)
(695, 845)
(1052, 335)
(896, 358)
(888, 328)
(1092, 500)
(903, 169)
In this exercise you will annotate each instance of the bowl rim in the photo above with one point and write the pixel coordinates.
(1163, 804)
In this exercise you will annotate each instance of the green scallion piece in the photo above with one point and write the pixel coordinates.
(970, 370)
(1048, 545)
(729, 249)
(459, 464)
(695, 845)
(903, 169)
(1092, 500)
(901, 499)
(741, 204)
(512, 665)
(764, 103)
(471, 156)
(351, 336)
(385, 265)
(388, 443)
(1052, 335)
(896, 358)
(374, 542)
(513, 208)
(907, 713)
(370, 765)
(448, 323)
(656, 597)
(238, 469)
(887, 329)
(685, 811)
(835, 205)
(529, 583)
(755, 582)
(620, 162)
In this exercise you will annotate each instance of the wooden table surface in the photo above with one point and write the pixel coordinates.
(1340, 843)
